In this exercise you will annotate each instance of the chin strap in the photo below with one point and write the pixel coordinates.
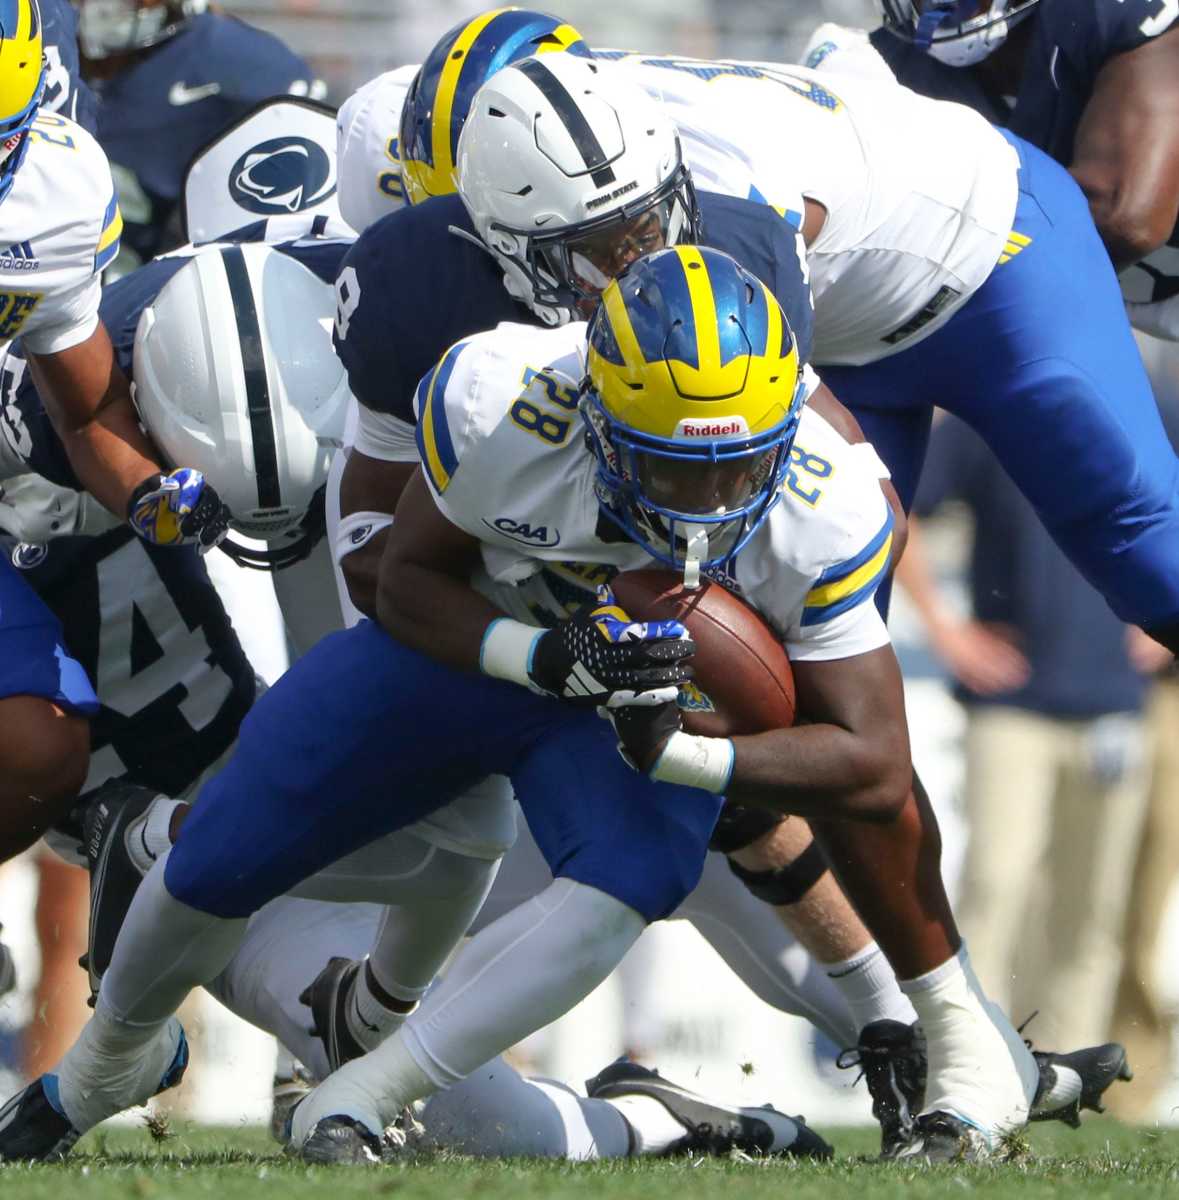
(516, 288)
(695, 554)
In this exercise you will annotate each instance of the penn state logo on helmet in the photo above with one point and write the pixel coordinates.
(28, 555)
(282, 175)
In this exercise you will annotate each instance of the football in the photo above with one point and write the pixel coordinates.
(743, 681)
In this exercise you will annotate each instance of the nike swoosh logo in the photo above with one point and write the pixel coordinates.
(180, 93)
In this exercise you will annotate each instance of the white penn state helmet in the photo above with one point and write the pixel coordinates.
(235, 375)
(565, 167)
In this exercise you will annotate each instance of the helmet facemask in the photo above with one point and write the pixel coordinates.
(14, 138)
(566, 270)
(955, 32)
(110, 27)
(692, 505)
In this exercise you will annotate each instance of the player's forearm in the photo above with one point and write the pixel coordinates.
(89, 401)
(111, 457)
(436, 615)
(822, 770)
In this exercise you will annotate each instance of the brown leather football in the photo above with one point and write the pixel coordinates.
(743, 681)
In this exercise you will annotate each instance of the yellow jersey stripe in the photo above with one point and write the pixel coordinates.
(830, 593)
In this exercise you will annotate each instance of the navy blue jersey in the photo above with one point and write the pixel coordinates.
(65, 92)
(1071, 40)
(145, 622)
(148, 626)
(170, 102)
(409, 289)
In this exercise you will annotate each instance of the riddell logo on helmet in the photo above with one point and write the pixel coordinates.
(698, 427)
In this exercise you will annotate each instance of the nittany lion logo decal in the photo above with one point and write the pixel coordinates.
(282, 175)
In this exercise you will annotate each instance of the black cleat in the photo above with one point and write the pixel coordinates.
(114, 878)
(939, 1137)
(1072, 1082)
(327, 996)
(891, 1056)
(32, 1126)
(340, 1140)
(710, 1128)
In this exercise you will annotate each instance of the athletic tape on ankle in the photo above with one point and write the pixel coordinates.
(699, 762)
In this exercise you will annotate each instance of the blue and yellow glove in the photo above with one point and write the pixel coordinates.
(179, 509)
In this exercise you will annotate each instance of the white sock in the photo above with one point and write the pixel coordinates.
(979, 1068)
(369, 1021)
(869, 987)
(519, 974)
(655, 1129)
(150, 836)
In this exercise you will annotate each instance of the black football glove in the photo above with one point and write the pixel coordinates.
(599, 657)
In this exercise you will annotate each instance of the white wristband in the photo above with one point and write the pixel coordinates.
(507, 648)
(699, 762)
(356, 530)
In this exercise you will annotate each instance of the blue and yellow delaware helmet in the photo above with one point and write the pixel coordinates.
(22, 73)
(460, 64)
(692, 400)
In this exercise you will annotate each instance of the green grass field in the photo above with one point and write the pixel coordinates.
(1104, 1159)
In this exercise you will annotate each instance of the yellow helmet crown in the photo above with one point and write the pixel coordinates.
(22, 73)
(688, 335)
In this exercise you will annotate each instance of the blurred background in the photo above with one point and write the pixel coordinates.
(1044, 763)
(350, 41)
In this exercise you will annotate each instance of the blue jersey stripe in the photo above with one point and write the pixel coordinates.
(843, 569)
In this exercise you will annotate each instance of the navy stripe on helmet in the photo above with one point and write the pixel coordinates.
(249, 336)
(584, 138)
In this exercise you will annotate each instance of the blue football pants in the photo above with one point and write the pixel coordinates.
(363, 736)
(1041, 362)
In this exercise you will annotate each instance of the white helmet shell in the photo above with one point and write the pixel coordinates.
(557, 145)
(235, 375)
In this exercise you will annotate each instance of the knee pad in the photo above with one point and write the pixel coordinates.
(785, 885)
(739, 826)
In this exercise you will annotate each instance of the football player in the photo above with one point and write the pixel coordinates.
(169, 75)
(60, 223)
(65, 91)
(1094, 84)
(500, 409)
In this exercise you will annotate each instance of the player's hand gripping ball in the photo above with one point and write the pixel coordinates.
(599, 657)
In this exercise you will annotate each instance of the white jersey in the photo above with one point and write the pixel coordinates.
(369, 163)
(367, 160)
(844, 50)
(59, 228)
(507, 462)
(915, 224)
